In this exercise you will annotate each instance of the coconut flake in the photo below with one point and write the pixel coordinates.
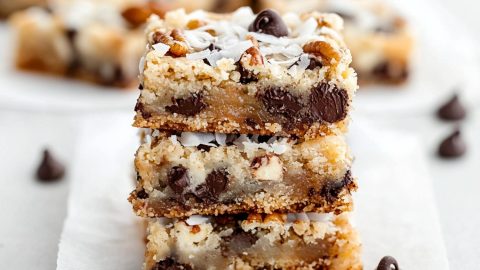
(161, 48)
(318, 217)
(280, 147)
(302, 217)
(235, 52)
(304, 62)
(141, 64)
(214, 57)
(269, 39)
(307, 28)
(221, 139)
(292, 50)
(196, 220)
(173, 139)
(195, 139)
(198, 55)
(291, 217)
(198, 39)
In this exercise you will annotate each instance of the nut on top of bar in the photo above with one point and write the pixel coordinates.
(245, 73)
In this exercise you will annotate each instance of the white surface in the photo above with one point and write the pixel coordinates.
(33, 214)
(34, 92)
(101, 230)
(388, 208)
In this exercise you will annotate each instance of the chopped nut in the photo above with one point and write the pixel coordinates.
(195, 23)
(195, 229)
(267, 167)
(254, 217)
(323, 49)
(275, 217)
(256, 58)
(136, 15)
(175, 40)
(177, 35)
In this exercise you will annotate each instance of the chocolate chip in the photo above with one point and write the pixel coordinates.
(388, 263)
(278, 101)
(328, 103)
(139, 107)
(332, 189)
(453, 146)
(50, 169)
(217, 182)
(204, 147)
(142, 194)
(187, 106)
(140, 87)
(171, 264)
(270, 23)
(314, 63)
(178, 179)
(385, 71)
(238, 242)
(452, 110)
(242, 238)
(246, 76)
(250, 122)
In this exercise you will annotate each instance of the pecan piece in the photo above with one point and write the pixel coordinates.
(323, 49)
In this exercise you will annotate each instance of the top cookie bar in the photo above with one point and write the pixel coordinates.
(245, 73)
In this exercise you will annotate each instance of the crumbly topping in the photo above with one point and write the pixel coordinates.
(228, 36)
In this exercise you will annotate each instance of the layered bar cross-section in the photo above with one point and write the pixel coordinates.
(209, 174)
(254, 241)
(245, 73)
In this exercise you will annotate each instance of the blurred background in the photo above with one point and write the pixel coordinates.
(67, 63)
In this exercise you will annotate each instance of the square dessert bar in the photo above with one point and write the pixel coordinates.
(187, 174)
(244, 73)
(254, 241)
(82, 39)
(8, 7)
(377, 35)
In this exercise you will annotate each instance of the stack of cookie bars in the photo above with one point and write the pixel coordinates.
(243, 162)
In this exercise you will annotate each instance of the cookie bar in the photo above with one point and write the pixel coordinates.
(8, 7)
(185, 174)
(245, 73)
(254, 241)
(97, 41)
(378, 37)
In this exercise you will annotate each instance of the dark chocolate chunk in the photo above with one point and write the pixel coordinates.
(142, 194)
(187, 106)
(238, 242)
(314, 63)
(246, 76)
(250, 122)
(171, 264)
(204, 147)
(202, 192)
(453, 146)
(139, 107)
(388, 263)
(71, 34)
(452, 110)
(140, 86)
(332, 189)
(50, 169)
(178, 179)
(328, 103)
(217, 182)
(385, 71)
(278, 101)
(270, 23)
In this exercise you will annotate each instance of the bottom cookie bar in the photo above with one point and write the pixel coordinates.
(255, 241)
